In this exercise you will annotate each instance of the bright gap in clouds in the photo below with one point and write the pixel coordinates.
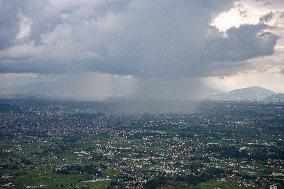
(238, 15)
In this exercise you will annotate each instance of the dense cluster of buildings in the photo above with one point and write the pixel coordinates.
(133, 151)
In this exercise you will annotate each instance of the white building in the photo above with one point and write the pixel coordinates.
(273, 186)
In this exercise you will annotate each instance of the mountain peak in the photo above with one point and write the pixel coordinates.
(253, 93)
(254, 89)
(249, 93)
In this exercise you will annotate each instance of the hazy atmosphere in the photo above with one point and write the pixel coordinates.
(142, 94)
(101, 49)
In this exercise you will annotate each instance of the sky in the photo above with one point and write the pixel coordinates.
(101, 49)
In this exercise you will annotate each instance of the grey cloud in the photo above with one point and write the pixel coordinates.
(8, 22)
(142, 38)
(246, 42)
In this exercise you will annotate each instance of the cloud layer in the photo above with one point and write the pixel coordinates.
(129, 37)
(141, 49)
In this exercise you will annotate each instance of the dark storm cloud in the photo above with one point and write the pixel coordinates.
(8, 22)
(160, 39)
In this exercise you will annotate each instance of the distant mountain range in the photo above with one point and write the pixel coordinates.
(253, 93)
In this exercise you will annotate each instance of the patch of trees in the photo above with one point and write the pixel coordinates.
(87, 169)
(156, 183)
